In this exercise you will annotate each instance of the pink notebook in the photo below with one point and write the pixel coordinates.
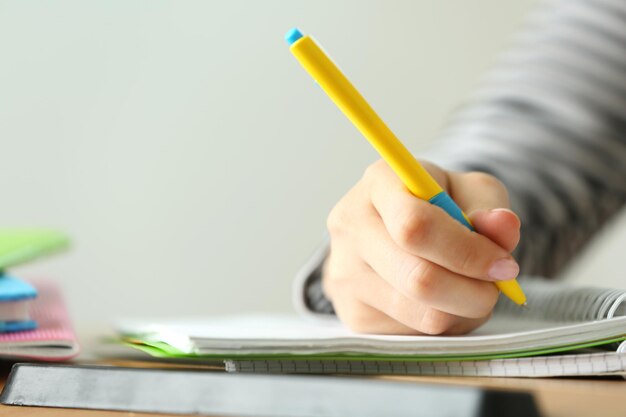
(54, 338)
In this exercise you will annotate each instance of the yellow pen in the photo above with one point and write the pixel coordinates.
(402, 162)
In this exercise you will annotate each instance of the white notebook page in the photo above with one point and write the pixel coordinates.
(262, 333)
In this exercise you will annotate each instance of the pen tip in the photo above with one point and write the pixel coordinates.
(525, 305)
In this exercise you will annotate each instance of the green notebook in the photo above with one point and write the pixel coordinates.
(18, 246)
(560, 318)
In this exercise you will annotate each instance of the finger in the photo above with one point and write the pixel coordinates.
(427, 231)
(375, 292)
(500, 225)
(420, 280)
(467, 325)
(486, 201)
(477, 191)
(362, 318)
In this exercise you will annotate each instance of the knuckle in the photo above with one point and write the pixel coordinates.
(413, 228)
(356, 318)
(435, 322)
(485, 180)
(349, 210)
(490, 299)
(373, 170)
(408, 314)
(421, 282)
(336, 220)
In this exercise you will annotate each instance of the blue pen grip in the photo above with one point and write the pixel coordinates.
(444, 201)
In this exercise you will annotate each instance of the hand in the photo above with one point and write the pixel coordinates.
(400, 265)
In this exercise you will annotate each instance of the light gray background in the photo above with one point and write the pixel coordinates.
(191, 158)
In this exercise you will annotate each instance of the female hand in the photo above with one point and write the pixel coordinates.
(400, 265)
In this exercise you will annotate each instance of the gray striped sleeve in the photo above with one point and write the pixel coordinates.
(308, 295)
(550, 122)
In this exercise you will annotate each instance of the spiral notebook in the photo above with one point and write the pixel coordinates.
(561, 319)
(580, 364)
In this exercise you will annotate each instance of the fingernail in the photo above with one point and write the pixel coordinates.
(503, 269)
(504, 210)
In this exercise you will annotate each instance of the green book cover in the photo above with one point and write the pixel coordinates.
(19, 246)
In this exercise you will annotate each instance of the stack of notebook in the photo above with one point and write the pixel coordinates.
(33, 321)
(565, 331)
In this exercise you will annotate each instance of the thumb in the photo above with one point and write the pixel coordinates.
(486, 202)
(500, 225)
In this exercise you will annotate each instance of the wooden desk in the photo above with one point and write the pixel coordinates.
(565, 397)
(555, 397)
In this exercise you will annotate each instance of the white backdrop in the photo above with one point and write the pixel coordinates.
(190, 157)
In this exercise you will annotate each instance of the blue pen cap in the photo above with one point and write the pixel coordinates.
(293, 35)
